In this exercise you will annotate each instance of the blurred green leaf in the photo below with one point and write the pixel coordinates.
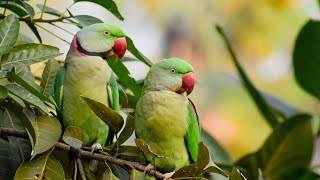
(30, 86)
(262, 105)
(86, 20)
(29, 54)
(48, 130)
(137, 175)
(109, 116)
(49, 76)
(127, 130)
(42, 167)
(289, 146)
(109, 5)
(73, 136)
(124, 77)
(20, 12)
(306, 57)
(27, 97)
(218, 154)
(3, 92)
(132, 48)
(49, 10)
(9, 33)
(146, 148)
(235, 174)
(27, 7)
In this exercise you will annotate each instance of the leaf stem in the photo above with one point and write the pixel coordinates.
(5, 8)
(44, 6)
(67, 31)
(53, 34)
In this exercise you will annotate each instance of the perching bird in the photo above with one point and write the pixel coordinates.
(87, 73)
(165, 118)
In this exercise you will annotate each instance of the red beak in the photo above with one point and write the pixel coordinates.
(120, 47)
(187, 83)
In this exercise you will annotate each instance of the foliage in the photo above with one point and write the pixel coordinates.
(26, 105)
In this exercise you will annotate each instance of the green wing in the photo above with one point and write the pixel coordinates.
(192, 137)
(113, 93)
(58, 91)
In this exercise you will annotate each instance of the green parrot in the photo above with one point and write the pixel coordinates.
(165, 118)
(87, 73)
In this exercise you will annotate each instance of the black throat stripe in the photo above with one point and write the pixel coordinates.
(90, 53)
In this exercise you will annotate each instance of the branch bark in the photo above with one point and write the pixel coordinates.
(84, 154)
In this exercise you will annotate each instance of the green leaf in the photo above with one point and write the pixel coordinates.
(146, 148)
(20, 12)
(10, 160)
(49, 10)
(113, 119)
(108, 5)
(236, 175)
(48, 130)
(129, 153)
(9, 33)
(25, 73)
(27, 97)
(124, 77)
(30, 86)
(186, 171)
(127, 130)
(132, 48)
(42, 167)
(214, 169)
(86, 20)
(27, 7)
(3, 93)
(306, 57)
(106, 174)
(217, 152)
(73, 136)
(262, 105)
(137, 175)
(290, 146)
(203, 156)
(29, 54)
(49, 76)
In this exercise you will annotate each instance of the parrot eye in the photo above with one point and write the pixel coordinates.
(173, 71)
(106, 33)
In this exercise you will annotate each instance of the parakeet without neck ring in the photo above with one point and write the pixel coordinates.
(165, 118)
(87, 73)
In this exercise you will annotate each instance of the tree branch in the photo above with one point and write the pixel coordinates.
(84, 154)
(28, 19)
(80, 167)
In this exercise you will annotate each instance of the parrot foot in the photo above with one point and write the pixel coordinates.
(95, 146)
(166, 176)
(149, 167)
(93, 166)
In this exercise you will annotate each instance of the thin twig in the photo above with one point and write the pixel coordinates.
(67, 31)
(28, 19)
(5, 8)
(80, 167)
(44, 6)
(53, 34)
(85, 154)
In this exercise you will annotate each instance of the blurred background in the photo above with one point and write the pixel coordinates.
(262, 32)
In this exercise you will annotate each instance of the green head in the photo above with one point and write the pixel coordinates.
(100, 40)
(172, 74)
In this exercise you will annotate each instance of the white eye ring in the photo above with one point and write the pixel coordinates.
(173, 71)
